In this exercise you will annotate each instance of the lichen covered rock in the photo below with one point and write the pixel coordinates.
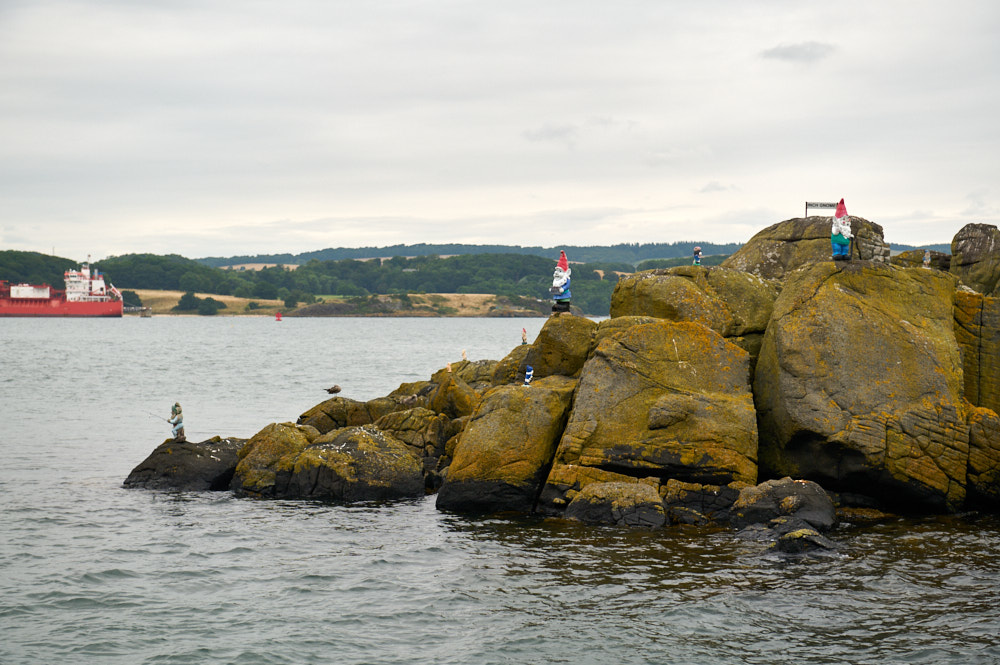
(632, 504)
(977, 329)
(562, 346)
(265, 454)
(666, 400)
(786, 246)
(859, 384)
(800, 499)
(506, 447)
(350, 464)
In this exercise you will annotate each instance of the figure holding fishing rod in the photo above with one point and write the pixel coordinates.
(177, 420)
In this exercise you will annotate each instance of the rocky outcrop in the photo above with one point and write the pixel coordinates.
(788, 245)
(424, 433)
(662, 400)
(562, 346)
(859, 385)
(632, 504)
(266, 453)
(506, 447)
(733, 303)
(188, 466)
(350, 464)
(338, 412)
(977, 329)
(975, 258)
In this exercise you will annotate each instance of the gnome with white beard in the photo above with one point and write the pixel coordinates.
(560, 285)
(840, 233)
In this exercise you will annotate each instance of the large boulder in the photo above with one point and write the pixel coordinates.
(633, 504)
(771, 499)
(663, 400)
(975, 257)
(351, 464)
(453, 397)
(733, 303)
(338, 412)
(562, 346)
(266, 453)
(510, 369)
(859, 385)
(506, 447)
(188, 466)
(977, 329)
(797, 242)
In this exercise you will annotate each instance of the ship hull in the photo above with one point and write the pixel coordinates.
(56, 307)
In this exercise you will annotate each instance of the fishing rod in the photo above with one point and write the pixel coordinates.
(160, 417)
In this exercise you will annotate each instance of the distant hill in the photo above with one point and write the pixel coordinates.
(631, 253)
(34, 268)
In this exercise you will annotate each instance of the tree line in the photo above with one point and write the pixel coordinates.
(631, 253)
(499, 274)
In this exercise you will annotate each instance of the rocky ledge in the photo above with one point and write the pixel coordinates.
(765, 395)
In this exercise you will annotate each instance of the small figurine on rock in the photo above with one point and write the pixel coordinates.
(697, 257)
(560, 284)
(177, 420)
(840, 233)
(529, 372)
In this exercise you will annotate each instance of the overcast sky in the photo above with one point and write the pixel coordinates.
(224, 127)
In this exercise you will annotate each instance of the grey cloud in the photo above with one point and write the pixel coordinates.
(804, 52)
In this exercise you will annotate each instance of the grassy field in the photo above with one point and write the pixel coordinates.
(163, 302)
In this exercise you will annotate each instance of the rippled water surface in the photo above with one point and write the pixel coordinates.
(92, 573)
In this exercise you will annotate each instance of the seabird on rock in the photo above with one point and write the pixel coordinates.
(333, 390)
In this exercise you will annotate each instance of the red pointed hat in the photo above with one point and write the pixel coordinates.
(563, 263)
(841, 209)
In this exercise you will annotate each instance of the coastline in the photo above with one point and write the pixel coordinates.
(423, 305)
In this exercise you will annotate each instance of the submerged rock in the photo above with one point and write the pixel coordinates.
(188, 466)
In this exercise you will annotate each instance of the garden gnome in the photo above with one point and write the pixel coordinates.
(524, 336)
(529, 372)
(697, 257)
(840, 233)
(927, 258)
(177, 420)
(560, 284)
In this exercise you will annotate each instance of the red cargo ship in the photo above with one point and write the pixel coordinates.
(86, 295)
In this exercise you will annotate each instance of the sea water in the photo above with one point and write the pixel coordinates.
(93, 573)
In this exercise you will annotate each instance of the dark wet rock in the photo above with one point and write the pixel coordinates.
(694, 503)
(188, 466)
(632, 504)
(799, 499)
